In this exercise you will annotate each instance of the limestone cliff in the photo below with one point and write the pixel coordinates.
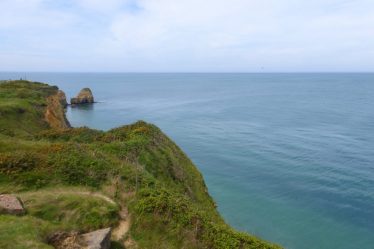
(55, 112)
(62, 98)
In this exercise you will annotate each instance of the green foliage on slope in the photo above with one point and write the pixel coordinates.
(22, 107)
(136, 165)
(71, 209)
(23, 232)
(49, 211)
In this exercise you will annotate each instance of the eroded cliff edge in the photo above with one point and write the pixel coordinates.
(55, 111)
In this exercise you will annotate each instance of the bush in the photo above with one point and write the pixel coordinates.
(14, 163)
(79, 168)
(33, 179)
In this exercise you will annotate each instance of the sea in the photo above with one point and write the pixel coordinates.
(288, 157)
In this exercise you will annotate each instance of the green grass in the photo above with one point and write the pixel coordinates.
(161, 209)
(71, 211)
(50, 210)
(23, 232)
(22, 107)
(171, 205)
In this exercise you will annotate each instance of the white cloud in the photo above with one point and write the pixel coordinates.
(191, 35)
(102, 6)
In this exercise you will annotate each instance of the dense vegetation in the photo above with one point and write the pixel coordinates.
(136, 165)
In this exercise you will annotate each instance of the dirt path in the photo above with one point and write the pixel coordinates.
(123, 227)
(121, 230)
(94, 194)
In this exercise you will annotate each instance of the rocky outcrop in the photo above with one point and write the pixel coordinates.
(84, 97)
(99, 239)
(10, 204)
(64, 240)
(62, 97)
(55, 111)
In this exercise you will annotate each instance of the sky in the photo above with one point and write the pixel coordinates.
(187, 35)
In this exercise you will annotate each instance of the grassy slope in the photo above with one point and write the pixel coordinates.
(21, 107)
(171, 207)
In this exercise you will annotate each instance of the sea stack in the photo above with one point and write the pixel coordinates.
(84, 97)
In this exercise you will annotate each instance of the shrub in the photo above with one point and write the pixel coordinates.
(13, 163)
(33, 179)
(79, 168)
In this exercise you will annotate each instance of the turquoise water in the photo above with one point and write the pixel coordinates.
(288, 157)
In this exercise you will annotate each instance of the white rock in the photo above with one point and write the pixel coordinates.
(10, 204)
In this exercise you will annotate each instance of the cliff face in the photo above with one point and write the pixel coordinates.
(62, 98)
(55, 111)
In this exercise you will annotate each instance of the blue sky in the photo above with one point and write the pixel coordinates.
(187, 35)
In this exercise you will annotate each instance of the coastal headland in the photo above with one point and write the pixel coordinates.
(129, 187)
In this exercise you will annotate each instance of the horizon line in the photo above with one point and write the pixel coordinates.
(195, 72)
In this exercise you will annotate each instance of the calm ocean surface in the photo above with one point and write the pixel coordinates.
(288, 157)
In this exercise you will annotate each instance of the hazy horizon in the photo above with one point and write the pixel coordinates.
(188, 72)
